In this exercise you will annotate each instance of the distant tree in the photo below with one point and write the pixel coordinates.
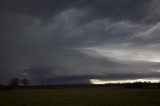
(14, 82)
(25, 82)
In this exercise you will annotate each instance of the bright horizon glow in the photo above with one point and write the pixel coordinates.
(98, 81)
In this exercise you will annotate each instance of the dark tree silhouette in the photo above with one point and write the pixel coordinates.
(14, 82)
(25, 82)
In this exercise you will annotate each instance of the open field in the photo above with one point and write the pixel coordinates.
(81, 97)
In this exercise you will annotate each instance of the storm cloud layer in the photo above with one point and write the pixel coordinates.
(74, 41)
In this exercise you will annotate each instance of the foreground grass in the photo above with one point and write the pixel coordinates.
(81, 97)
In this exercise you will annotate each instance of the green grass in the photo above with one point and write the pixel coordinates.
(81, 97)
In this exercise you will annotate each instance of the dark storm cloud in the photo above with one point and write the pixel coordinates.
(85, 79)
(78, 40)
(38, 74)
(81, 69)
(37, 8)
(134, 10)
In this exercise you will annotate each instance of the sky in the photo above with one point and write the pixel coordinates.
(79, 41)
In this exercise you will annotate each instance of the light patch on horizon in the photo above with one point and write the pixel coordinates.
(99, 81)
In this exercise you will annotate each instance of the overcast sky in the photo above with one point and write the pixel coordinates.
(76, 41)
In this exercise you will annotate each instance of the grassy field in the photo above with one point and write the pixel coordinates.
(81, 97)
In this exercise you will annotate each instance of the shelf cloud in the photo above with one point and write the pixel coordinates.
(74, 41)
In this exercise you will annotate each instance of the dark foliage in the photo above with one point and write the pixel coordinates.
(25, 82)
(14, 82)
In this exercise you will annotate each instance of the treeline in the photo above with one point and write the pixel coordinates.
(109, 85)
(15, 83)
(133, 85)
